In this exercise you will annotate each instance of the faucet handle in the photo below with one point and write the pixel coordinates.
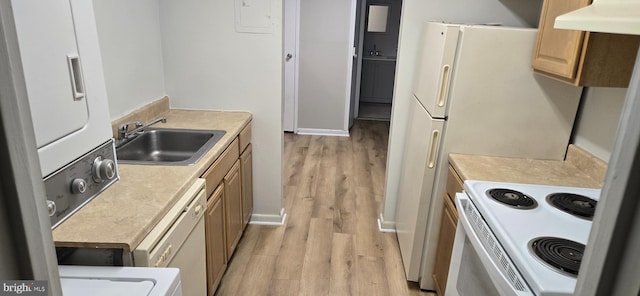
(124, 128)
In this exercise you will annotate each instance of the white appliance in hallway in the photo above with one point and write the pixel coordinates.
(540, 255)
(474, 93)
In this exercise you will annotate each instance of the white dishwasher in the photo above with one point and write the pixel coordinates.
(178, 240)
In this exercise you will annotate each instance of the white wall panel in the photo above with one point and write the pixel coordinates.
(129, 35)
(597, 123)
(210, 66)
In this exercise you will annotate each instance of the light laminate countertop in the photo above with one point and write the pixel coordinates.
(579, 170)
(122, 215)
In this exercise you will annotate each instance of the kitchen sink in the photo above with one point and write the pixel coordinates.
(165, 146)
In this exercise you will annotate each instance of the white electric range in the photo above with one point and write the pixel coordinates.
(519, 239)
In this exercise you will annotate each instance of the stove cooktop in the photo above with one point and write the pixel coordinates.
(542, 228)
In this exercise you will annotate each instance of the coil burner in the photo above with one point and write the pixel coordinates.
(561, 254)
(574, 204)
(513, 198)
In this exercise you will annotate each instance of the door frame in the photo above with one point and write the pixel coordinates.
(351, 51)
(360, 36)
(21, 187)
(610, 254)
(295, 53)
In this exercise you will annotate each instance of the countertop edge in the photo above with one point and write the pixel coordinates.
(201, 166)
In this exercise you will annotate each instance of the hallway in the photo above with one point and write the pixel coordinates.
(333, 192)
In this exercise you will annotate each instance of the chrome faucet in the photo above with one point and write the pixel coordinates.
(124, 133)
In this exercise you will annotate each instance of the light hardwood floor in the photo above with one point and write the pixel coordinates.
(330, 245)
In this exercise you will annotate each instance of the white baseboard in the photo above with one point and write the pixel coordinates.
(322, 132)
(386, 226)
(271, 220)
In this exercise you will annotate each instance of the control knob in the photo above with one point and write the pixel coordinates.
(103, 169)
(78, 186)
(51, 207)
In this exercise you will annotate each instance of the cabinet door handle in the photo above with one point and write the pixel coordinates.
(75, 73)
(433, 149)
(444, 86)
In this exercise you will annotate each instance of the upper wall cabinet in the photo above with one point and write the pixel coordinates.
(582, 58)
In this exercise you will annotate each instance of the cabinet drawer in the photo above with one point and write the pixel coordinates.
(245, 137)
(454, 183)
(221, 166)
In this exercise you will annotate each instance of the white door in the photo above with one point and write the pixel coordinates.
(416, 183)
(291, 13)
(435, 64)
(52, 69)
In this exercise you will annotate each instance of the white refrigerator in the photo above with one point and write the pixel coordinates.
(474, 93)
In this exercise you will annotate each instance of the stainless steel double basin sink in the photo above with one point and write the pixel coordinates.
(167, 146)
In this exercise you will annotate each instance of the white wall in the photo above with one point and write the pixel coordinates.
(129, 34)
(597, 122)
(210, 66)
(323, 60)
(414, 12)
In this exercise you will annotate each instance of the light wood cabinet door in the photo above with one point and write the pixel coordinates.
(215, 239)
(233, 207)
(558, 51)
(582, 58)
(246, 169)
(445, 245)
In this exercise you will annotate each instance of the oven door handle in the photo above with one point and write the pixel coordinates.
(495, 272)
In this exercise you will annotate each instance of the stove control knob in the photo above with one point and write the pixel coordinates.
(103, 169)
(78, 186)
(51, 207)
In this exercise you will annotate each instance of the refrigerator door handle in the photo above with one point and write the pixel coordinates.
(444, 86)
(433, 149)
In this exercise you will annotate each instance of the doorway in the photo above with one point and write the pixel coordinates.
(378, 35)
(339, 69)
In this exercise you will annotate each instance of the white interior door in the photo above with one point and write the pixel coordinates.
(291, 12)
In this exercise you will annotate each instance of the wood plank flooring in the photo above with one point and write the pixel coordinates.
(330, 245)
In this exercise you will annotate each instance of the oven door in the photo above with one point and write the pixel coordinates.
(479, 265)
